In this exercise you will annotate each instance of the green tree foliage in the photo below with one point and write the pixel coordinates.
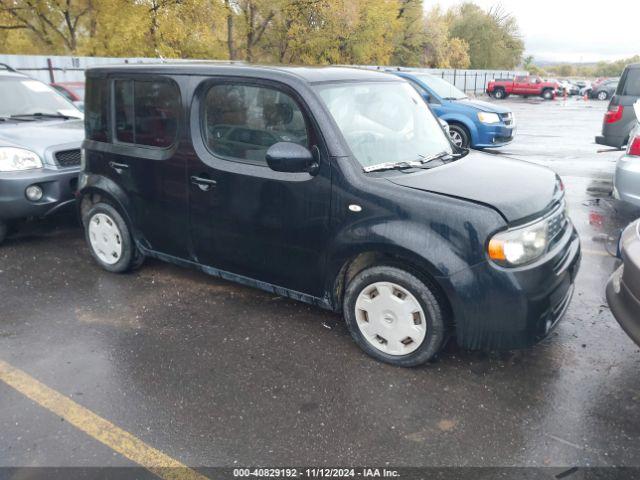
(440, 49)
(411, 37)
(493, 37)
(309, 32)
(600, 69)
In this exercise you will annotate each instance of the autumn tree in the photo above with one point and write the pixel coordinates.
(493, 37)
(441, 50)
(56, 24)
(411, 37)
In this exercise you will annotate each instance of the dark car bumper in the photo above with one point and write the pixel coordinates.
(58, 188)
(616, 141)
(501, 308)
(623, 289)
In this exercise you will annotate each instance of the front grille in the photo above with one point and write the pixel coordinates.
(68, 158)
(557, 223)
(507, 118)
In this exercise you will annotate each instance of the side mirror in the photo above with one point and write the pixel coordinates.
(291, 158)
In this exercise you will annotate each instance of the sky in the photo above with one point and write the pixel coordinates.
(571, 30)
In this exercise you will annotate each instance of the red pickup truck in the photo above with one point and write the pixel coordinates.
(525, 85)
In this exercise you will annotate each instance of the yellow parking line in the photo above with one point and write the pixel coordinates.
(97, 427)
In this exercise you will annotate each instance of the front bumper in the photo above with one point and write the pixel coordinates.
(494, 136)
(623, 288)
(624, 305)
(507, 308)
(58, 188)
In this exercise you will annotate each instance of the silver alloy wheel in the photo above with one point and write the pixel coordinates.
(456, 138)
(390, 318)
(498, 94)
(105, 238)
(602, 95)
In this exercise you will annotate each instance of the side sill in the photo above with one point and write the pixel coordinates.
(232, 277)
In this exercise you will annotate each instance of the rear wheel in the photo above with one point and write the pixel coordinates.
(394, 316)
(603, 95)
(109, 239)
(499, 93)
(459, 135)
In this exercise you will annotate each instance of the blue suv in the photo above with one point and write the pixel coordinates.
(472, 123)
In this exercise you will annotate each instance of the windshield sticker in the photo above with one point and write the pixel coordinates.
(36, 86)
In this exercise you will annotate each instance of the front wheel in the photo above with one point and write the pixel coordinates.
(109, 239)
(547, 94)
(459, 136)
(394, 316)
(603, 95)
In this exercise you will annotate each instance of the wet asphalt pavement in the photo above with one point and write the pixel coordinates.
(215, 374)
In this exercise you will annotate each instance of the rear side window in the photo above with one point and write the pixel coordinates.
(146, 112)
(241, 122)
(631, 83)
(96, 107)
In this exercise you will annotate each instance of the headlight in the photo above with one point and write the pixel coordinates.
(520, 245)
(485, 117)
(14, 159)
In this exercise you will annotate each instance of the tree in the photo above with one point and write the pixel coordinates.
(410, 41)
(442, 51)
(493, 37)
(54, 23)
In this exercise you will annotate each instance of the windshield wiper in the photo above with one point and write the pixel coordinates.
(392, 165)
(40, 115)
(409, 164)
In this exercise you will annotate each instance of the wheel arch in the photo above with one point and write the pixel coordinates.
(357, 261)
(465, 123)
(96, 188)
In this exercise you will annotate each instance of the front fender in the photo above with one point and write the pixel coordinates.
(435, 249)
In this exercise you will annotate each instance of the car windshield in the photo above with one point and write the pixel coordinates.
(384, 122)
(25, 96)
(441, 87)
(78, 91)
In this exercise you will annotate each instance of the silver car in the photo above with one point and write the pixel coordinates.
(626, 183)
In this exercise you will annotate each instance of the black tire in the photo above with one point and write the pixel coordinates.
(547, 94)
(130, 258)
(429, 299)
(602, 95)
(460, 136)
(499, 94)
(3, 231)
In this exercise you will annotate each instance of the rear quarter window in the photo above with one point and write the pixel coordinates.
(630, 84)
(96, 109)
(146, 112)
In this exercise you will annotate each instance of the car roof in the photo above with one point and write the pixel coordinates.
(312, 75)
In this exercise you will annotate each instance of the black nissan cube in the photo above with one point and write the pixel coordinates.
(333, 186)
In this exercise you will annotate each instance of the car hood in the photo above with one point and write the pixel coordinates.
(519, 190)
(40, 136)
(483, 106)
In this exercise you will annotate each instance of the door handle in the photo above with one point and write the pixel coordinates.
(204, 184)
(119, 167)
